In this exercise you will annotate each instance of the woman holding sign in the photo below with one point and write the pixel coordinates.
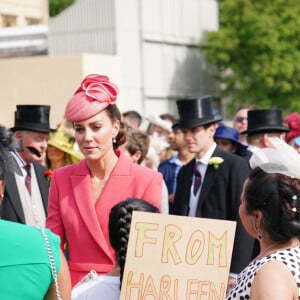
(270, 212)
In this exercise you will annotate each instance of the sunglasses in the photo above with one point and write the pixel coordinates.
(240, 119)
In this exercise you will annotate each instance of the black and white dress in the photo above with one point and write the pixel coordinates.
(290, 257)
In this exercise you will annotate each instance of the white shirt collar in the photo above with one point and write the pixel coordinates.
(21, 163)
(252, 148)
(206, 157)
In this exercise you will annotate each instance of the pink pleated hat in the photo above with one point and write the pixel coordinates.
(95, 93)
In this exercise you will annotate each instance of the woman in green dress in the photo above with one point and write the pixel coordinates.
(25, 271)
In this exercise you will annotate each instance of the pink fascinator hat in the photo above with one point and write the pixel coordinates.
(95, 93)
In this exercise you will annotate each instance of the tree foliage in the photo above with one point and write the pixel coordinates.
(56, 6)
(257, 52)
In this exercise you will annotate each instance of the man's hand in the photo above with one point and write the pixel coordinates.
(171, 198)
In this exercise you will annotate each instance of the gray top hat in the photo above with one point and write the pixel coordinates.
(32, 117)
(194, 112)
(265, 120)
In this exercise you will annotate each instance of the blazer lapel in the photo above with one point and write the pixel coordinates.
(13, 195)
(185, 190)
(120, 178)
(206, 185)
(80, 182)
(208, 182)
(116, 184)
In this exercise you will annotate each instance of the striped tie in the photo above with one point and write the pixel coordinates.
(28, 178)
(197, 175)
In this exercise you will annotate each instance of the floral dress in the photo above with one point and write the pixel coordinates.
(290, 257)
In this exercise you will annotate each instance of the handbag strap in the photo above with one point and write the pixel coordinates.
(52, 263)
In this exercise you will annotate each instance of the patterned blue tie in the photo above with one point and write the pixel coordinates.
(197, 175)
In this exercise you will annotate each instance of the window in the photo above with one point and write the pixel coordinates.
(9, 21)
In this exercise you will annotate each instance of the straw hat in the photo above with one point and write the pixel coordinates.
(64, 141)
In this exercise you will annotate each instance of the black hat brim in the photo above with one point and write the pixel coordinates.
(29, 128)
(187, 124)
(265, 129)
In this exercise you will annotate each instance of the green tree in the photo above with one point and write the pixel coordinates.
(257, 52)
(56, 6)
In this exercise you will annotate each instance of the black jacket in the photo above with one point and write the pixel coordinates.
(11, 208)
(219, 199)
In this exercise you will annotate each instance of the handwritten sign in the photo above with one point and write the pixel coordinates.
(176, 258)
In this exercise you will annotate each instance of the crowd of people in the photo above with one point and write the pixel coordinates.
(83, 179)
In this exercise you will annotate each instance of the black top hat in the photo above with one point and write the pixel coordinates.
(265, 120)
(194, 112)
(32, 117)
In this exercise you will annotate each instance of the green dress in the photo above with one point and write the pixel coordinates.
(25, 271)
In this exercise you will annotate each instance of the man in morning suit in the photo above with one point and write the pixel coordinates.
(209, 190)
(262, 124)
(26, 196)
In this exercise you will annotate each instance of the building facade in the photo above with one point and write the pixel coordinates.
(156, 43)
(150, 49)
(23, 28)
(18, 13)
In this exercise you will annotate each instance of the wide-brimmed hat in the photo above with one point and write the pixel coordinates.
(265, 120)
(156, 120)
(64, 141)
(32, 117)
(229, 133)
(194, 112)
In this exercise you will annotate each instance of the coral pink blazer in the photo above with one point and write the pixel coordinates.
(71, 212)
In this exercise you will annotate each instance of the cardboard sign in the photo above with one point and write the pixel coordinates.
(176, 258)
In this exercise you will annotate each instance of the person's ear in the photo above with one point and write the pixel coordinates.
(257, 224)
(116, 128)
(19, 135)
(257, 218)
(136, 156)
(266, 141)
(212, 130)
